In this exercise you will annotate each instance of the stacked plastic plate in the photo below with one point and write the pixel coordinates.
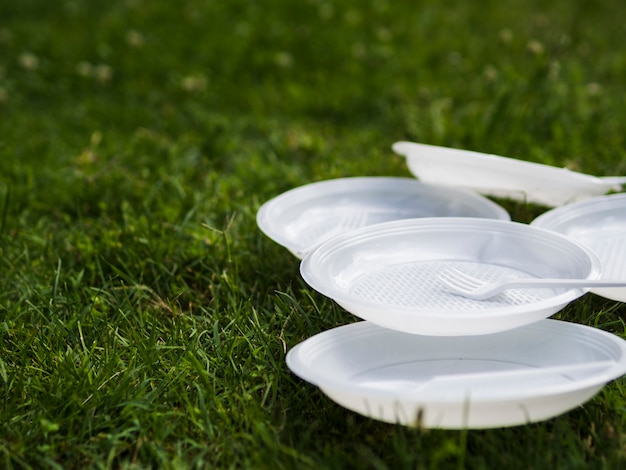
(432, 356)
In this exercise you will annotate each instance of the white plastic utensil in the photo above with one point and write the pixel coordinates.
(474, 288)
(503, 177)
(599, 224)
(565, 370)
(515, 377)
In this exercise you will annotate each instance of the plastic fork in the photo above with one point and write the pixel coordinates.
(536, 372)
(471, 287)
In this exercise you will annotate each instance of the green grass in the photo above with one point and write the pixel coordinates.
(144, 318)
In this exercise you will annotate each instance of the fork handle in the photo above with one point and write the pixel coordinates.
(547, 282)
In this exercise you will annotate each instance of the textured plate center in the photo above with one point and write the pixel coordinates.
(417, 285)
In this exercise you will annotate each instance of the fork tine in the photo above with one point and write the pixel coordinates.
(464, 284)
(461, 280)
(466, 280)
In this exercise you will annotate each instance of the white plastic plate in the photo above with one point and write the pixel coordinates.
(501, 176)
(304, 217)
(388, 273)
(600, 224)
(516, 377)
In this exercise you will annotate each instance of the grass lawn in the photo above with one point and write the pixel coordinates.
(144, 318)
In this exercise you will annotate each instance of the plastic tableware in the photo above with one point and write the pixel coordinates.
(304, 217)
(600, 224)
(475, 288)
(503, 177)
(511, 378)
(388, 273)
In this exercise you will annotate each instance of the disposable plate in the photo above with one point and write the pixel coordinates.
(304, 217)
(516, 377)
(388, 273)
(600, 224)
(503, 177)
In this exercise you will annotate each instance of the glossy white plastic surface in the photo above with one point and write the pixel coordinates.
(304, 217)
(501, 176)
(389, 273)
(516, 377)
(600, 224)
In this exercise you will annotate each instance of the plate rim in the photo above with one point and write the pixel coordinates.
(556, 214)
